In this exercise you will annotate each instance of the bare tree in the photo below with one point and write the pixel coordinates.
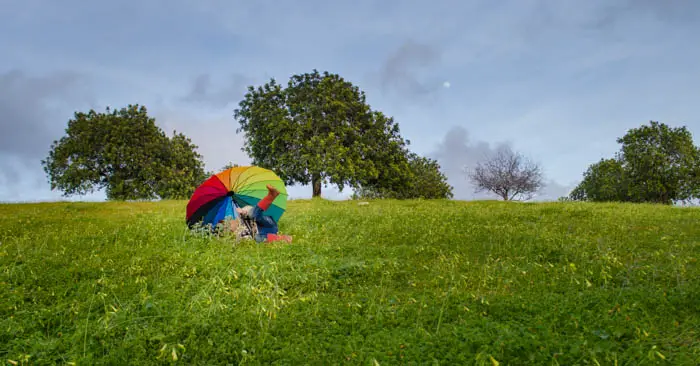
(509, 175)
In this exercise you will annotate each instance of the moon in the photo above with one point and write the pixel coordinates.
(446, 84)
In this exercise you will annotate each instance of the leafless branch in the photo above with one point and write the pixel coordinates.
(508, 174)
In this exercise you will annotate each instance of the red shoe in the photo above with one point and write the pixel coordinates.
(274, 237)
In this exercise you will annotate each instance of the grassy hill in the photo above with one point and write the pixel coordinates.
(387, 283)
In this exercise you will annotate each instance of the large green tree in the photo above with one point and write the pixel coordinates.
(662, 163)
(657, 163)
(124, 152)
(320, 130)
(424, 179)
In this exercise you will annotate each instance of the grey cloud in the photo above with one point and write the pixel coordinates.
(403, 71)
(34, 111)
(457, 155)
(30, 108)
(607, 21)
(605, 15)
(218, 95)
(9, 174)
(671, 11)
(21, 179)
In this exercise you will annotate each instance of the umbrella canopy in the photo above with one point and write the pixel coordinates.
(216, 198)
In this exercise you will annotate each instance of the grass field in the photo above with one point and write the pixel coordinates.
(448, 283)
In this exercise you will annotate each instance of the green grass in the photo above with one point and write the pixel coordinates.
(448, 283)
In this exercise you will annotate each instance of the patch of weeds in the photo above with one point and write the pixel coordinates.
(387, 283)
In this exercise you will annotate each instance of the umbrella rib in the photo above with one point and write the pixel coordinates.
(263, 181)
(246, 193)
(259, 172)
(245, 181)
(214, 191)
(258, 198)
(263, 192)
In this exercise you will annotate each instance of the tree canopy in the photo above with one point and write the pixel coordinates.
(656, 163)
(124, 152)
(424, 180)
(603, 181)
(320, 130)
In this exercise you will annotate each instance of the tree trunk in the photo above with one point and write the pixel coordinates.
(316, 181)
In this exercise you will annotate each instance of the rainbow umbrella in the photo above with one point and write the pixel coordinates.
(215, 199)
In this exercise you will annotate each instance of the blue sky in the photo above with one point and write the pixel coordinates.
(557, 80)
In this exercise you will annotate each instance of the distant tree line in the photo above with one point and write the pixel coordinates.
(318, 129)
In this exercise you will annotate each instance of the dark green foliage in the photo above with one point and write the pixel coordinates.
(662, 164)
(226, 166)
(126, 153)
(320, 130)
(424, 180)
(182, 168)
(657, 164)
(603, 181)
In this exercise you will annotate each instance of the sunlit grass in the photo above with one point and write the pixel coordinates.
(391, 282)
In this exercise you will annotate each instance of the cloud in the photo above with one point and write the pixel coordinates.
(610, 14)
(30, 109)
(540, 19)
(405, 68)
(22, 180)
(457, 155)
(34, 111)
(217, 95)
